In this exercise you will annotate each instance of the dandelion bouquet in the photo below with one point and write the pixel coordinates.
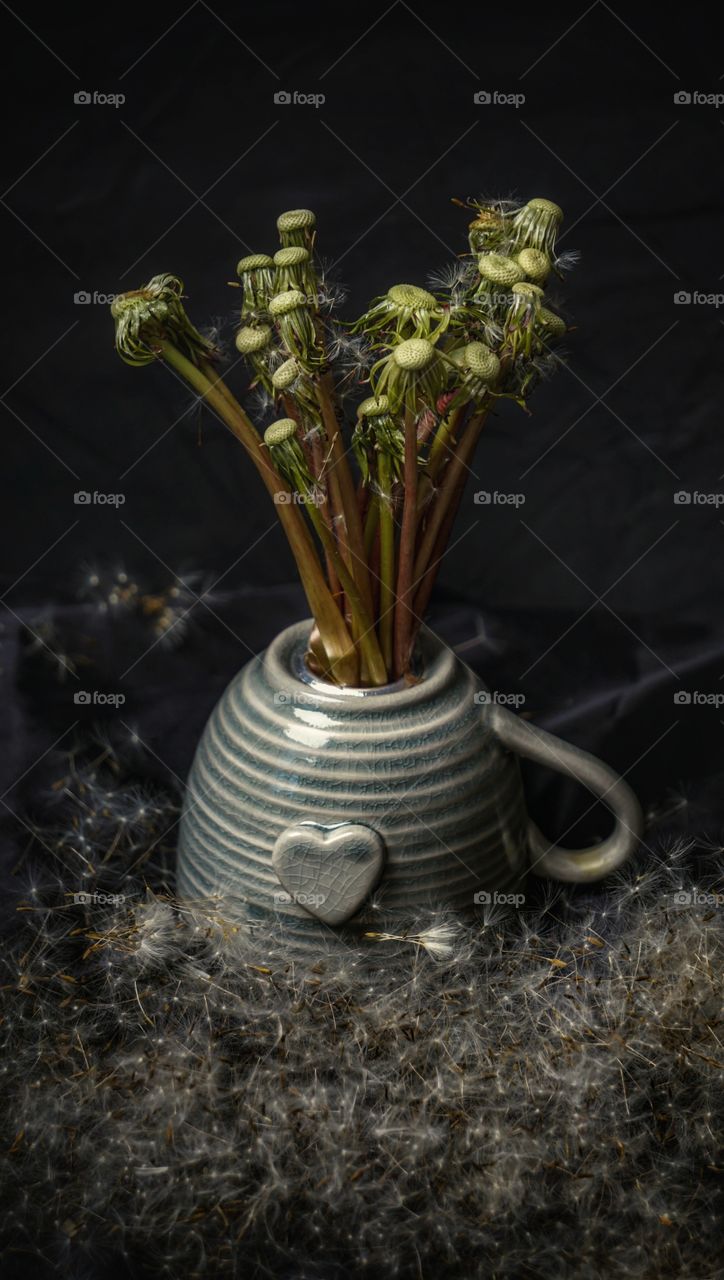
(423, 368)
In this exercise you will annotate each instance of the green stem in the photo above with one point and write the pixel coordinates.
(364, 630)
(387, 556)
(408, 530)
(338, 645)
(443, 440)
(426, 574)
(453, 477)
(371, 524)
(342, 472)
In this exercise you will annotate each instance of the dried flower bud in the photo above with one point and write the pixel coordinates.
(296, 327)
(373, 407)
(414, 354)
(500, 270)
(153, 314)
(551, 323)
(294, 270)
(481, 362)
(486, 230)
(377, 432)
(412, 375)
(296, 227)
(254, 262)
(535, 264)
(526, 289)
(252, 339)
(284, 303)
(536, 225)
(521, 318)
(279, 432)
(256, 276)
(407, 311)
(410, 296)
(282, 440)
(286, 375)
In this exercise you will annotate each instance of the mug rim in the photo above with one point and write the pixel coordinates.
(285, 666)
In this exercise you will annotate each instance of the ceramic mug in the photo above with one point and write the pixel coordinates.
(322, 810)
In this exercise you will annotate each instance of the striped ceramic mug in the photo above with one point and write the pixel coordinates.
(321, 810)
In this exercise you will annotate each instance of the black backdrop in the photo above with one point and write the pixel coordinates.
(600, 596)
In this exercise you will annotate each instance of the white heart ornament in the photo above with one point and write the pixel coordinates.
(329, 870)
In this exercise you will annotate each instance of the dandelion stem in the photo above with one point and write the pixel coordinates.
(373, 664)
(387, 556)
(341, 471)
(443, 515)
(403, 609)
(338, 645)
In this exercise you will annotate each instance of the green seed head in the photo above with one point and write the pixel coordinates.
(414, 354)
(525, 289)
(282, 303)
(250, 340)
(296, 220)
(499, 269)
(148, 316)
(286, 374)
(547, 207)
(553, 324)
(482, 362)
(279, 432)
(292, 256)
(373, 407)
(409, 295)
(536, 264)
(253, 262)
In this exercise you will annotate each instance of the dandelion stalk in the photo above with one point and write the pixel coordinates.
(438, 529)
(342, 474)
(403, 605)
(386, 523)
(339, 649)
(285, 450)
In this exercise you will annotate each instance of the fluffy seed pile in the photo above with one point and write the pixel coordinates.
(539, 1096)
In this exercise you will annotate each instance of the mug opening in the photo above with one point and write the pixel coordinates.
(302, 671)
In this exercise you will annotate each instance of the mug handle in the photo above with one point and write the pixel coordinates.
(574, 865)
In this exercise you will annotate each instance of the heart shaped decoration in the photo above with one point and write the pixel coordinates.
(329, 870)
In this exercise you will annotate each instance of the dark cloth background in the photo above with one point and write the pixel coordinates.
(600, 596)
